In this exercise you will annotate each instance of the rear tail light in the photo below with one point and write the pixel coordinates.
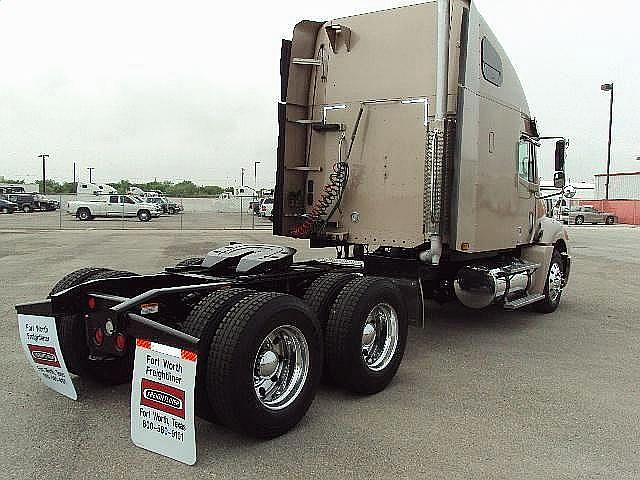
(91, 303)
(121, 342)
(98, 336)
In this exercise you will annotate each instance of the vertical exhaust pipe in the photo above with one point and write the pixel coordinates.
(442, 61)
(442, 93)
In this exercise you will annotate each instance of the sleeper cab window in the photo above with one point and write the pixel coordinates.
(491, 63)
(523, 159)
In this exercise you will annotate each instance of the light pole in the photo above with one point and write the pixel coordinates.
(91, 169)
(44, 156)
(608, 87)
(255, 174)
(241, 194)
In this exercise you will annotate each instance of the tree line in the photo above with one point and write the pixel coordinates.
(185, 188)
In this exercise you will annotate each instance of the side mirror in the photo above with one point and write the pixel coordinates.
(558, 179)
(569, 191)
(561, 147)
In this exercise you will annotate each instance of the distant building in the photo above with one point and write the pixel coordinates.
(622, 186)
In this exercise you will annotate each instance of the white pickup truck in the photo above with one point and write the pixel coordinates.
(112, 206)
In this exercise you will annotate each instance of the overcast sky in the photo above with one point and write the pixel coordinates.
(141, 89)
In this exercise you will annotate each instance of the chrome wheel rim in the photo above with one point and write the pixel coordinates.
(555, 282)
(281, 367)
(380, 337)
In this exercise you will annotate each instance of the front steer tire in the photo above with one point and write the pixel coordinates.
(237, 350)
(202, 322)
(551, 299)
(361, 300)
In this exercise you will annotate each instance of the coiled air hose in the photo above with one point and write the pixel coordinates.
(333, 191)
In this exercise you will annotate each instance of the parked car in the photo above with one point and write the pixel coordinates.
(25, 201)
(266, 208)
(157, 201)
(113, 206)
(167, 205)
(254, 206)
(588, 214)
(45, 203)
(7, 207)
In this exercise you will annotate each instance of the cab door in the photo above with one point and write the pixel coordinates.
(113, 206)
(129, 207)
(528, 187)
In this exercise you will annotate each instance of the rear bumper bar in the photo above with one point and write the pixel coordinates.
(134, 325)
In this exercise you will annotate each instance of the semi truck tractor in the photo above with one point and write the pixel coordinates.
(405, 142)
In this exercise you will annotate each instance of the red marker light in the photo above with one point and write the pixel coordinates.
(98, 336)
(121, 342)
(92, 303)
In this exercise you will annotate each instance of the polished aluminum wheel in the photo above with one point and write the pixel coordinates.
(281, 366)
(555, 282)
(380, 336)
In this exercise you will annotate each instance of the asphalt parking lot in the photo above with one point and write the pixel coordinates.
(489, 394)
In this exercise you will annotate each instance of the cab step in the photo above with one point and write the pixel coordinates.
(523, 301)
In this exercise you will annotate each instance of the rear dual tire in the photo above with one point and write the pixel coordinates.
(265, 364)
(73, 336)
(260, 360)
(366, 335)
(202, 323)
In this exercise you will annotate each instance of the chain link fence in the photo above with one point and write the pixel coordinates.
(206, 213)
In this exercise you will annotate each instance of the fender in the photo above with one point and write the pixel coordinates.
(551, 232)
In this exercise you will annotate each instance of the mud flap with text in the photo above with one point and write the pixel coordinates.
(39, 339)
(162, 401)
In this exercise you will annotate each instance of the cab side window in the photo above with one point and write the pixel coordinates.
(527, 161)
(113, 199)
(491, 63)
(126, 200)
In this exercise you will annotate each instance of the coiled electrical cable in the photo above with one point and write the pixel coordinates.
(332, 193)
